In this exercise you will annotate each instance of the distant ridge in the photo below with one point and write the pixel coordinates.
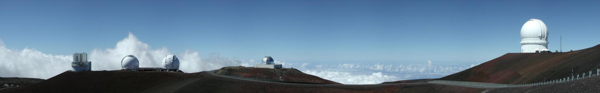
(288, 75)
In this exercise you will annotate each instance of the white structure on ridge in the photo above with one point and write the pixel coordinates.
(171, 62)
(130, 62)
(534, 36)
(268, 62)
(80, 62)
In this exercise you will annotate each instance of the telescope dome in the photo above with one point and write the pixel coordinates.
(534, 36)
(130, 62)
(534, 28)
(171, 62)
(268, 60)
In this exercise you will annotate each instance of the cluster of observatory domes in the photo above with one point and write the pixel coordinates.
(534, 36)
(130, 62)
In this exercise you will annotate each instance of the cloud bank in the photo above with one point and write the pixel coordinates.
(190, 61)
(35, 64)
(352, 78)
(31, 63)
(375, 73)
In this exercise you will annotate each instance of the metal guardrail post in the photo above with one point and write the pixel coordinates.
(571, 78)
(590, 73)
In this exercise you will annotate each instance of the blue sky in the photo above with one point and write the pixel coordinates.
(309, 30)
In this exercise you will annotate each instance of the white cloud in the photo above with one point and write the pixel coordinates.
(35, 64)
(374, 73)
(190, 61)
(110, 59)
(31, 63)
(352, 78)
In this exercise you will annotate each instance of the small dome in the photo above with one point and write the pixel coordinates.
(171, 62)
(534, 28)
(268, 60)
(130, 62)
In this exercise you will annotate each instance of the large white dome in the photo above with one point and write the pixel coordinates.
(171, 62)
(534, 36)
(534, 28)
(130, 62)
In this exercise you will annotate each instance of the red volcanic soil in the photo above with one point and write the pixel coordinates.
(207, 82)
(284, 75)
(519, 68)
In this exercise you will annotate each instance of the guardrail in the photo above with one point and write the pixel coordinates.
(495, 85)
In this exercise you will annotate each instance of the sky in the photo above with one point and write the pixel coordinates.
(307, 30)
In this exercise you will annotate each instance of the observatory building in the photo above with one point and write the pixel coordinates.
(130, 62)
(171, 63)
(80, 62)
(534, 36)
(268, 62)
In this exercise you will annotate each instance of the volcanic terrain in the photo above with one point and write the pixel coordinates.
(511, 68)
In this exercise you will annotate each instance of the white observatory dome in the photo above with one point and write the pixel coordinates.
(534, 36)
(268, 60)
(130, 62)
(171, 62)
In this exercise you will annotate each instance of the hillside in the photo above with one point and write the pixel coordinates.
(518, 68)
(284, 75)
(206, 82)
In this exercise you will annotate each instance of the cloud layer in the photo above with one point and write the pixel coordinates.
(190, 61)
(375, 73)
(31, 63)
(35, 64)
(352, 78)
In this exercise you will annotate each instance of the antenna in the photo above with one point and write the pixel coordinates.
(560, 43)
